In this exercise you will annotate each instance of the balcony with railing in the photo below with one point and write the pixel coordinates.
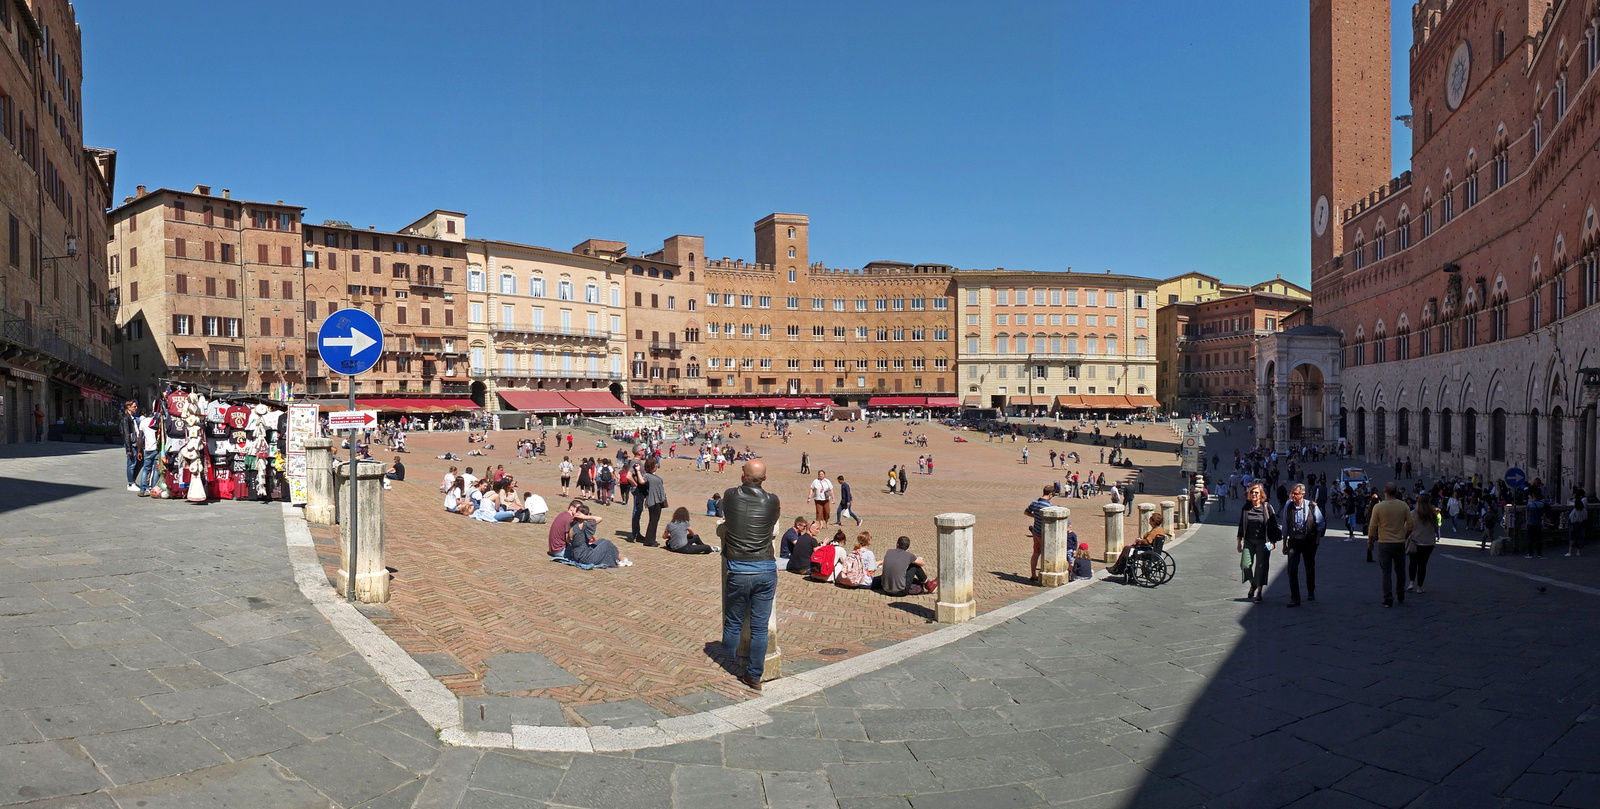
(32, 336)
(553, 331)
(670, 349)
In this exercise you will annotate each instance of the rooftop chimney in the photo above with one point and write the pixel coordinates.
(138, 191)
(203, 190)
(226, 194)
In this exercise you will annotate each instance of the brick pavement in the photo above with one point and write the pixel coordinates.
(471, 590)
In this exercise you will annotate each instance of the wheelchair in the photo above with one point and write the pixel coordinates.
(1149, 565)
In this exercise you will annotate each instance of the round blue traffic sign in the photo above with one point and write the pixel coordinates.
(1515, 478)
(350, 342)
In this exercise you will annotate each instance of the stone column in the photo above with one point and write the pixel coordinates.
(1143, 525)
(772, 669)
(372, 576)
(319, 481)
(1113, 531)
(1053, 562)
(1169, 515)
(1183, 512)
(956, 602)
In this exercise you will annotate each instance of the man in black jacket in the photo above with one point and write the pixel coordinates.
(751, 572)
(130, 442)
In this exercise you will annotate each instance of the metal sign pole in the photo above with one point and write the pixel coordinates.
(350, 574)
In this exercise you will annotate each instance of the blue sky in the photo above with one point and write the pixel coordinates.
(1149, 138)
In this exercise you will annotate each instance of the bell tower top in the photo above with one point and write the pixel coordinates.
(1350, 115)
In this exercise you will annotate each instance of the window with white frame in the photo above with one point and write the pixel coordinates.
(564, 290)
(591, 293)
(536, 286)
(474, 281)
(508, 284)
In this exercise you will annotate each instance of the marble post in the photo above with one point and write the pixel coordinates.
(319, 481)
(1053, 562)
(956, 602)
(1113, 531)
(1183, 512)
(372, 576)
(1143, 525)
(1169, 515)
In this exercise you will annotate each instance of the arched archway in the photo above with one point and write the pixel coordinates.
(478, 393)
(1307, 415)
(1556, 489)
(1361, 431)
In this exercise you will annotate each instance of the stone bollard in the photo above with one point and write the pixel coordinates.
(1145, 510)
(372, 576)
(772, 669)
(1113, 531)
(1169, 515)
(1182, 514)
(319, 481)
(956, 602)
(1054, 567)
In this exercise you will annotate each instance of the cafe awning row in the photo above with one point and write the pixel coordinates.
(914, 401)
(669, 404)
(1105, 402)
(563, 401)
(770, 402)
(1030, 401)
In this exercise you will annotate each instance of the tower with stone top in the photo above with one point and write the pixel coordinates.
(1350, 115)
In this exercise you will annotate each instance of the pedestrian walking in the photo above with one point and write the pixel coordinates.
(805, 463)
(1303, 527)
(130, 441)
(750, 580)
(1024, 454)
(1577, 520)
(1259, 533)
(846, 504)
(894, 480)
(822, 494)
(1052, 459)
(1388, 528)
(1535, 513)
(904, 479)
(566, 474)
(1424, 534)
(930, 464)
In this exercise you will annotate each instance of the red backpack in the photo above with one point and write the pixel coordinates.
(823, 562)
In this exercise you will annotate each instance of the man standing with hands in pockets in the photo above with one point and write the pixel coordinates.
(822, 495)
(1303, 526)
(750, 571)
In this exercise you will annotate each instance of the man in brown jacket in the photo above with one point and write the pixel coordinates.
(1387, 529)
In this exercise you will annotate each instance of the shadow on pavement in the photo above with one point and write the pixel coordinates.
(1463, 696)
(19, 493)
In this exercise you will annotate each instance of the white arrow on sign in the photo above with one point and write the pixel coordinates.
(357, 342)
(351, 419)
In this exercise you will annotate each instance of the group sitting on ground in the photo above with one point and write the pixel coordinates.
(901, 573)
(490, 500)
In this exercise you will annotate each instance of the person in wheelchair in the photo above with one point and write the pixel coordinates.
(1153, 540)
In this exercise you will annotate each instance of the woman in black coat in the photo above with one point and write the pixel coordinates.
(1259, 533)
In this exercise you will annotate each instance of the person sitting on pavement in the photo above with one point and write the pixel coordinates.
(714, 506)
(905, 573)
(533, 509)
(490, 508)
(791, 536)
(802, 549)
(582, 546)
(558, 528)
(1082, 568)
(681, 538)
(870, 569)
(456, 497)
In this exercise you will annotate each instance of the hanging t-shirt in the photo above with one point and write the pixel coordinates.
(237, 417)
(176, 401)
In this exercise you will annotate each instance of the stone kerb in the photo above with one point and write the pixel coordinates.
(956, 600)
(319, 481)
(1113, 513)
(1054, 561)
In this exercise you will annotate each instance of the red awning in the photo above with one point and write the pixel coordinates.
(537, 401)
(972, 401)
(405, 405)
(944, 401)
(594, 401)
(1143, 400)
(1030, 401)
(652, 404)
(897, 401)
(668, 404)
(817, 403)
(1070, 402)
(1106, 403)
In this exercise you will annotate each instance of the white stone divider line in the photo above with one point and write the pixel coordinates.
(1530, 576)
(441, 709)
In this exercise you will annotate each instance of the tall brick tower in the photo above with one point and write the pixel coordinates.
(1350, 114)
(782, 241)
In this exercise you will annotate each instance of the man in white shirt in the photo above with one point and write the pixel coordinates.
(468, 480)
(534, 508)
(822, 494)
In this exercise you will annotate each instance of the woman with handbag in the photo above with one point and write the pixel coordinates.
(1425, 523)
(1259, 533)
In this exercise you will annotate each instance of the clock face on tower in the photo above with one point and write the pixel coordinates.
(1455, 79)
(1319, 216)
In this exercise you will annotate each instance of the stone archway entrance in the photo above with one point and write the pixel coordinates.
(1297, 388)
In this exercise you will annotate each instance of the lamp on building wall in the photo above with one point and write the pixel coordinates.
(1591, 377)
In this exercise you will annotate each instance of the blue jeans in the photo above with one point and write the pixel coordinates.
(133, 465)
(748, 596)
(147, 473)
